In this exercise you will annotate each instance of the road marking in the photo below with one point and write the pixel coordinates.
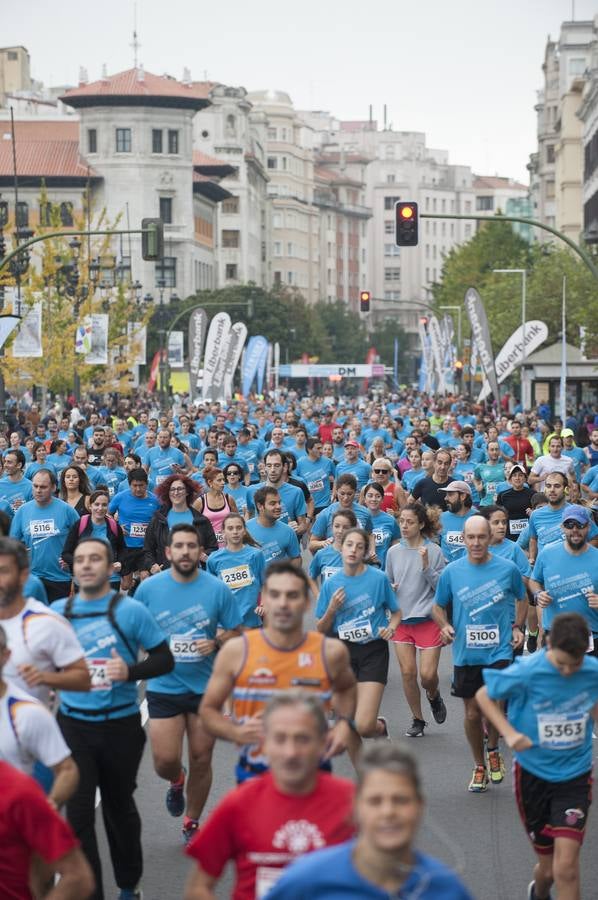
(144, 718)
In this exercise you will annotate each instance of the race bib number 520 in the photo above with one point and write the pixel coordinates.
(184, 647)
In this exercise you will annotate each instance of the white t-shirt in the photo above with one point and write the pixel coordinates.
(28, 732)
(39, 637)
(545, 465)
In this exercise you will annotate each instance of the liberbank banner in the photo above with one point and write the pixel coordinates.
(512, 354)
(480, 334)
(348, 370)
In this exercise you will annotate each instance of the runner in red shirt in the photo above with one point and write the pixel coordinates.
(28, 826)
(271, 820)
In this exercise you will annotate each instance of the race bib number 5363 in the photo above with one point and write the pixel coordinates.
(562, 732)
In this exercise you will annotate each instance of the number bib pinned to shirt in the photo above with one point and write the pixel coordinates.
(42, 528)
(482, 636)
(562, 732)
(455, 539)
(516, 526)
(137, 529)
(359, 631)
(184, 647)
(98, 674)
(237, 576)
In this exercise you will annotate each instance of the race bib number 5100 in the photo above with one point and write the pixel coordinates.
(482, 636)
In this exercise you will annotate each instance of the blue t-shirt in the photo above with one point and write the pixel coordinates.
(510, 550)
(411, 477)
(243, 572)
(552, 710)
(291, 499)
(278, 541)
(187, 613)
(330, 874)
(236, 459)
(179, 518)
(98, 638)
(239, 495)
(58, 462)
(15, 493)
(326, 562)
(491, 475)
(369, 601)
(33, 587)
(579, 460)
(110, 477)
(322, 527)
(316, 474)
(360, 469)
(161, 464)
(464, 471)
(385, 531)
(483, 597)
(568, 579)
(545, 526)
(134, 514)
(43, 530)
(452, 542)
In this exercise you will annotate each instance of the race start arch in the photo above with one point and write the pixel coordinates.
(341, 370)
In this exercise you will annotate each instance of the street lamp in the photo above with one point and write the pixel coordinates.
(523, 273)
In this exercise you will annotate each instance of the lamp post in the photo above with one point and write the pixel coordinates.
(523, 273)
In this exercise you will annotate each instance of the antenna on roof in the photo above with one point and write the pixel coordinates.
(186, 76)
(135, 44)
(83, 76)
(104, 72)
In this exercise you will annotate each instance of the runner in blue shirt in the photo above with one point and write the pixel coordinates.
(382, 862)
(328, 560)
(565, 576)
(317, 472)
(545, 523)
(42, 525)
(240, 565)
(134, 509)
(359, 606)
(103, 727)
(483, 590)
(233, 475)
(346, 488)
(110, 472)
(189, 606)
(352, 464)
(276, 540)
(552, 699)
(293, 506)
(164, 460)
(386, 532)
(15, 489)
(452, 520)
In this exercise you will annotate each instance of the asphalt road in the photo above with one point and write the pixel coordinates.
(478, 835)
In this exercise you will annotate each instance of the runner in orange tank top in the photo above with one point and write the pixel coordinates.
(279, 657)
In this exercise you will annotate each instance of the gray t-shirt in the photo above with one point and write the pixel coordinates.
(414, 586)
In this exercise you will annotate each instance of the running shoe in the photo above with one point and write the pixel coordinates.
(189, 829)
(130, 894)
(386, 732)
(438, 707)
(416, 729)
(479, 780)
(532, 642)
(496, 766)
(531, 892)
(175, 796)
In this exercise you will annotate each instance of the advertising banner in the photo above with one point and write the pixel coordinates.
(251, 361)
(261, 367)
(97, 355)
(137, 339)
(437, 353)
(28, 340)
(238, 336)
(216, 343)
(176, 344)
(511, 355)
(198, 328)
(480, 333)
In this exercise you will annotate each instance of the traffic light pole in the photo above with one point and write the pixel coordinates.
(70, 233)
(523, 221)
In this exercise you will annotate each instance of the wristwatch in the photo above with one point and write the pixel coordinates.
(349, 721)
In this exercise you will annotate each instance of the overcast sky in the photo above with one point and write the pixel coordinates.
(465, 72)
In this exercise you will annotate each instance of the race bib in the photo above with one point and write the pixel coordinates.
(562, 732)
(482, 636)
(137, 529)
(329, 571)
(160, 479)
(237, 577)
(358, 632)
(468, 477)
(378, 537)
(99, 677)
(184, 647)
(251, 467)
(516, 526)
(220, 537)
(313, 486)
(590, 644)
(491, 487)
(455, 539)
(42, 528)
(265, 878)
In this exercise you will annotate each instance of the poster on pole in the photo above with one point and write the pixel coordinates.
(176, 350)
(28, 340)
(480, 332)
(218, 376)
(238, 336)
(198, 328)
(217, 338)
(428, 365)
(137, 343)
(251, 361)
(511, 355)
(437, 353)
(261, 367)
(98, 352)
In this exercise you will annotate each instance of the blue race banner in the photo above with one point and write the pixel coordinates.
(257, 346)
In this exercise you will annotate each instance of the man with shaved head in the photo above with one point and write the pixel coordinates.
(489, 606)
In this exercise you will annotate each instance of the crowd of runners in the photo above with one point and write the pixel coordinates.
(177, 558)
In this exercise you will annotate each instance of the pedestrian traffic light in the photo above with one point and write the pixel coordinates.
(423, 320)
(458, 368)
(364, 300)
(406, 224)
(152, 239)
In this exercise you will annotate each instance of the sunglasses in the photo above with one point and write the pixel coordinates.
(381, 471)
(570, 524)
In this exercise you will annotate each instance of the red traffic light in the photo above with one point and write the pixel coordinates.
(406, 224)
(423, 320)
(364, 300)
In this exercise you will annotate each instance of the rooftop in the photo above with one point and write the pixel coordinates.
(497, 182)
(136, 87)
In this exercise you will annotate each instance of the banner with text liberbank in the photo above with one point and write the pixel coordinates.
(480, 333)
(216, 346)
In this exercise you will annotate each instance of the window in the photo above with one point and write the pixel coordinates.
(484, 203)
(549, 153)
(22, 214)
(392, 274)
(443, 205)
(230, 272)
(230, 206)
(166, 210)
(392, 295)
(391, 178)
(577, 65)
(66, 214)
(389, 227)
(92, 140)
(468, 231)
(389, 202)
(156, 140)
(550, 190)
(468, 206)
(123, 270)
(290, 277)
(271, 134)
(166, 271)
(277, 248)
(123, 140)
(173, 141)
(277, 278)
(45, 214)
(284, 162)
(391, 250)
(277, 220)
(230, 238)
(272, 162)
(12, 55)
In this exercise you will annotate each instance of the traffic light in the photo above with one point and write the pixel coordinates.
(423, 320)
(364, 300)
(458, 369)
(152, 239)
(406, 224)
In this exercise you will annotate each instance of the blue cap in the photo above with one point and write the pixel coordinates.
(577, 513)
